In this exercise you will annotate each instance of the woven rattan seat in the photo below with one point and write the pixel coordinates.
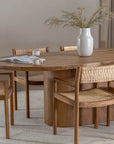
(37, 78)
(89, 98)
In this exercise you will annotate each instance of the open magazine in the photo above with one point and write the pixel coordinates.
(23, 59)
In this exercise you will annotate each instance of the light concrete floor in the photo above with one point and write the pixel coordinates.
(35, 131)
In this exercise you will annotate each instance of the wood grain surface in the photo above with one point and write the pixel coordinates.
(64, 60)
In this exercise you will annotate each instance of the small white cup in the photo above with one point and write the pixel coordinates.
(37, 62)
(35, 53)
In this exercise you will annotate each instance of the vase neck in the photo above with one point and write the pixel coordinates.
(85, 31)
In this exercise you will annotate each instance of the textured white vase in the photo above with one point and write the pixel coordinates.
(85, 42)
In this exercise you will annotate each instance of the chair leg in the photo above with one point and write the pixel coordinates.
(11, 110)
(15, 90)
(76, 128)
(27, 97)
(15, 94)
(6, 117)
(96, 118)
(108, 115)
(55, 117)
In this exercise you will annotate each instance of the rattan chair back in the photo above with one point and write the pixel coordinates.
(68, 48)
(97, 74)
(28, 51)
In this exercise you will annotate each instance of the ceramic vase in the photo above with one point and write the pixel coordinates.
(85, 42)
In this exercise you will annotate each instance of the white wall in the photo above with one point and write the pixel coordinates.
(22, 23)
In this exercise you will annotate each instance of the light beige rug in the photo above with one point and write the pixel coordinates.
(35, 131)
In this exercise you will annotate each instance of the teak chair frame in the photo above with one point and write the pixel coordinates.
(84, 75)
(26, 81)
(7, 93)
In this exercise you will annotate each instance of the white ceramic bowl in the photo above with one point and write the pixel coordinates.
(37, 62)
(35, 53)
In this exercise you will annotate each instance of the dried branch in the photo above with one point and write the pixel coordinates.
(72, 19)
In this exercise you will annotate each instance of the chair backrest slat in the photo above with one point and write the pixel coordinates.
(97, 74)
(68, 48)
(28, 51)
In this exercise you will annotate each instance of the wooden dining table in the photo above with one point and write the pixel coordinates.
(63, 65)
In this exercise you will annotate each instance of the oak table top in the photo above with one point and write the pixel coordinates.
(64, 60)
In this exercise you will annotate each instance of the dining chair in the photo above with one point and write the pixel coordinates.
(92, 98)
(6, 92)
(68, 48)
(26, 79)
(74, 48)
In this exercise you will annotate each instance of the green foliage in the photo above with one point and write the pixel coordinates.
(72, 19)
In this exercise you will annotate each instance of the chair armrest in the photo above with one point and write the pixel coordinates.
(65, 82)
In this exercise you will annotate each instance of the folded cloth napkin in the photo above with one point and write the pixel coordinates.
(23, 59)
